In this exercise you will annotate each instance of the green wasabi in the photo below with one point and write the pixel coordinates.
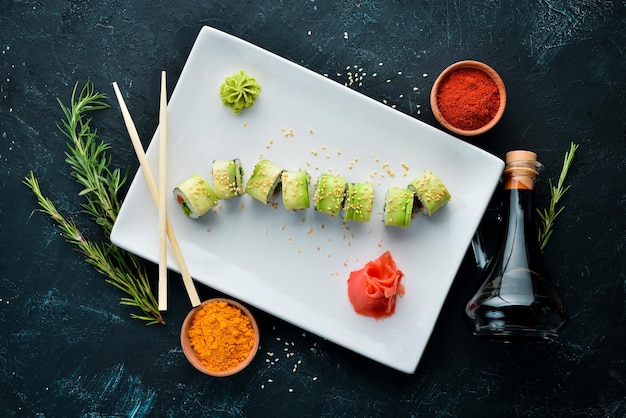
(239, 91)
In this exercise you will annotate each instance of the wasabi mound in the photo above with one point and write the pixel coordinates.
(239, 91)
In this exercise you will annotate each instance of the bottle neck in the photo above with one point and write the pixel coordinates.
(519, 215)
(520, 205)
(521, 175)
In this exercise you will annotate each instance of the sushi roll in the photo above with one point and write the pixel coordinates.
(430, 193)
(195, 196)
(398, 207)
(227, 178)
(359, 202)
(264, 183)
(329, 193)
(295, 188)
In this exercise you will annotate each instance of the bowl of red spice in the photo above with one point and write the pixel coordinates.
(468, 98)
(220, 337)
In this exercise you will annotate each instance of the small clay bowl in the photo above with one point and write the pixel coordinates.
(190, 353)
(489, 72)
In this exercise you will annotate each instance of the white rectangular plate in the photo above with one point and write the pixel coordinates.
(294, 265)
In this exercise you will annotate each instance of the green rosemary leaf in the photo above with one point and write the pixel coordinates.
(549, 215)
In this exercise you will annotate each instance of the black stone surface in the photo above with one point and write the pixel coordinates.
(67, 348)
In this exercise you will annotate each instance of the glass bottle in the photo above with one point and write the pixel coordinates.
(517, 299)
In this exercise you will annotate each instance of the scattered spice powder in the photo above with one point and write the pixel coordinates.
(221, 335)
(468, 98)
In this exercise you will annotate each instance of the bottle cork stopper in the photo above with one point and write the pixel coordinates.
(520, 155)
(520, 171)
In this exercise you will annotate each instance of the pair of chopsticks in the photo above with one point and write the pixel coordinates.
(159, 196)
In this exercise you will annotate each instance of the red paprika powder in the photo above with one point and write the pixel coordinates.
(468, 98)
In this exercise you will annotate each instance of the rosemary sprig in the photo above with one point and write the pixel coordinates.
(90, 166)
(88, 160)
(549, 215)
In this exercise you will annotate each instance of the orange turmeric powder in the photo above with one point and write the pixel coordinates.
(221, 335)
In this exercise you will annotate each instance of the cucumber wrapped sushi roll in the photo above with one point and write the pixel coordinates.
(359, 202)
(330, 193)
(195, 196)
(227, 178)
(398, 207)
(295, 188)
(264, 183)
(430, 193)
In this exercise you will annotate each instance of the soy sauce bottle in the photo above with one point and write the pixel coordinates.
(517, 299)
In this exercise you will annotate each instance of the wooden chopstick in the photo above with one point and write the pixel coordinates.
(145, 166)
(162, 293)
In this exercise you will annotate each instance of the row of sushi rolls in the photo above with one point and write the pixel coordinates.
(331, 194)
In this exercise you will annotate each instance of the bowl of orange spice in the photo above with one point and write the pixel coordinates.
(468, 98)
(220, 337)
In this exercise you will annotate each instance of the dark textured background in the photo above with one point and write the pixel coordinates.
(67, 348)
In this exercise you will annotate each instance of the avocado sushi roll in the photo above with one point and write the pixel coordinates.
(227, 178)
(195, 196)
(264, 183)
(330, 193)
(358, 202)
(430, 193)
(295, 189)
(398, 207)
